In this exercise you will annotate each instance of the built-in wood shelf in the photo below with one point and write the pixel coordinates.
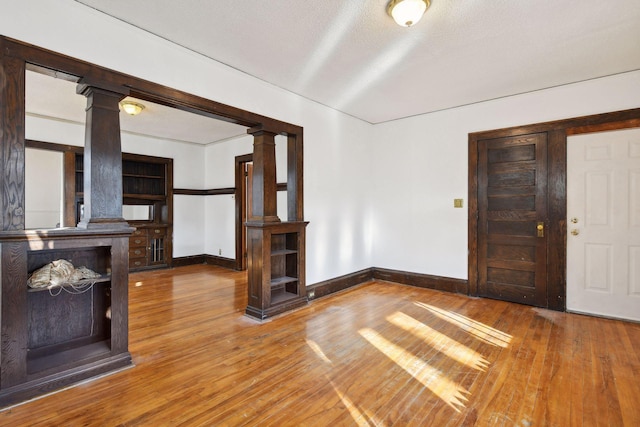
(72, 286)
(53, 337)
(279, 285)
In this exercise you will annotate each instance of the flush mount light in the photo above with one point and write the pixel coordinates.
(131, 108)
(407, 12)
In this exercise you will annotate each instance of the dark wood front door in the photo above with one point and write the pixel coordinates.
(512, 219)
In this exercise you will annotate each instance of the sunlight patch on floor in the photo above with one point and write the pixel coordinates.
(318, 351)
(449, 391)
(358, 417)
(479, 330)
(439, 341)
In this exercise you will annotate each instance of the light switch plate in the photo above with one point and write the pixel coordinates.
(457, 203)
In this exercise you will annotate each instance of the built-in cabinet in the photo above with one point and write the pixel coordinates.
(147, 186)
(280, 284)
(51, 337)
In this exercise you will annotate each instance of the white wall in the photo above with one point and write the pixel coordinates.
(336, 152)
(220, 222)
(43, 189)
(423, 161)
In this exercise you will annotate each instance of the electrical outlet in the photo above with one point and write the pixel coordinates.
(219, 251)
(311, 294)
(457, 203)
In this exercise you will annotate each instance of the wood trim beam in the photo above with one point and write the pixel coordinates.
(71, 69)
(51, 146)
(241, 207)
(295, 178)
(603, 127)
(576, 123)
(12, 141)
(557, 213)
(210, 192)
(281, 186)
(472, 219)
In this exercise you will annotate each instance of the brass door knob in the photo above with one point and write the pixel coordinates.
(575, 231)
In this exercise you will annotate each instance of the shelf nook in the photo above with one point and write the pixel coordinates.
(280, 284)
(54, 337)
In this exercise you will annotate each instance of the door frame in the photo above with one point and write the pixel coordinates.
(557, 132)
(241, 206)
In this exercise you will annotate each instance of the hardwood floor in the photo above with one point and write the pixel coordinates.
(378, 354)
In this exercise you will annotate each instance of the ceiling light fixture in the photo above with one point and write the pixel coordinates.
(407, 12)
(131, 108)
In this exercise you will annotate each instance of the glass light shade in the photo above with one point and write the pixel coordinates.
(407, 12)
(132, 108)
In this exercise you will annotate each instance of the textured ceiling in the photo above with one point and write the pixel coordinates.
(351, 56)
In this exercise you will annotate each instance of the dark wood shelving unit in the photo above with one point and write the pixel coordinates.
(279, 286)
(146, 181)
(54, 337)
(72, 286)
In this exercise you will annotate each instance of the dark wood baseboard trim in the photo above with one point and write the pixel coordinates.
(209, 192)
(187, 260)
(281, 186)
(205, 259)
(328, 287)
(338, 284)
(57, 381)
(220, 261)
(428, 281)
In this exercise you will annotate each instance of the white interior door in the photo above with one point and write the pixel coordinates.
(603, 223)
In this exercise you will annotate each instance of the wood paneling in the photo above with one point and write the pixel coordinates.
(512, 201)
(12, 128)
(380, 354)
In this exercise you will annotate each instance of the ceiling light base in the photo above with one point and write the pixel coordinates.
(131, 108)
(407, 13)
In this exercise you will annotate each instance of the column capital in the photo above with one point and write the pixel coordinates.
(86, 86)
(261, 130)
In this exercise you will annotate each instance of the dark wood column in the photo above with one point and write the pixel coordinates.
(295, 210)
(264, 205)
(12, 77)
(102, 156)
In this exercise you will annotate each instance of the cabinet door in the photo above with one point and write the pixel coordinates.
(157, 242)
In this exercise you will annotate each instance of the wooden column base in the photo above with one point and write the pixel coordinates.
(103, 224)
(262, 314)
